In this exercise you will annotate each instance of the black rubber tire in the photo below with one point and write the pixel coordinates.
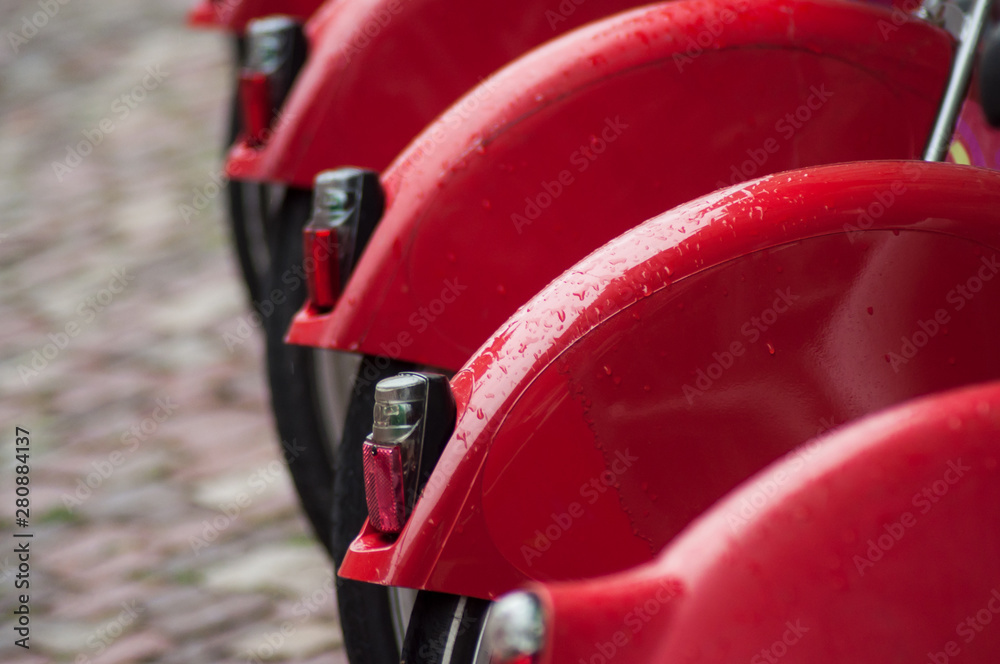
(249, 233)
(444, 625)
(366, 615)
(292, 374)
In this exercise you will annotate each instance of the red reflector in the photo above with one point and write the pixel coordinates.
(384, 486)
(320, 245)
(255, 97)
(203, 15)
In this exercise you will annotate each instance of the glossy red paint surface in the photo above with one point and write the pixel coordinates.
(670, 365)
(233, 15)
(875, 544)
(598, 131)
(381, 70)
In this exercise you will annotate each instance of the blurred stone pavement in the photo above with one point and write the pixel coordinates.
(165, 526)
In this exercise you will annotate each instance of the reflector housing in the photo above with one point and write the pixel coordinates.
(276, 52)
(414, 417)
(347, 205)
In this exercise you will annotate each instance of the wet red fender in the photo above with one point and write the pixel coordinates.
(600, 130)
(659, 372)
(233, 15)
(877, 544)
(381, 70)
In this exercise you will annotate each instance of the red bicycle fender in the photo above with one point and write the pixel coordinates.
(879, 547)
(384, 69)
(679, 359)
(598, 131)
(233, 15)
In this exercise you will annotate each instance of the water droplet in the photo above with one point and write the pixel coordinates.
(607, 369)
(480, 414)
(770, 348)
(617, 380)
(562, 315)
(487, 204)
(501, 290)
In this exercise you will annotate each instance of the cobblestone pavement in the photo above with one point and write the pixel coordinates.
(165, 526)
